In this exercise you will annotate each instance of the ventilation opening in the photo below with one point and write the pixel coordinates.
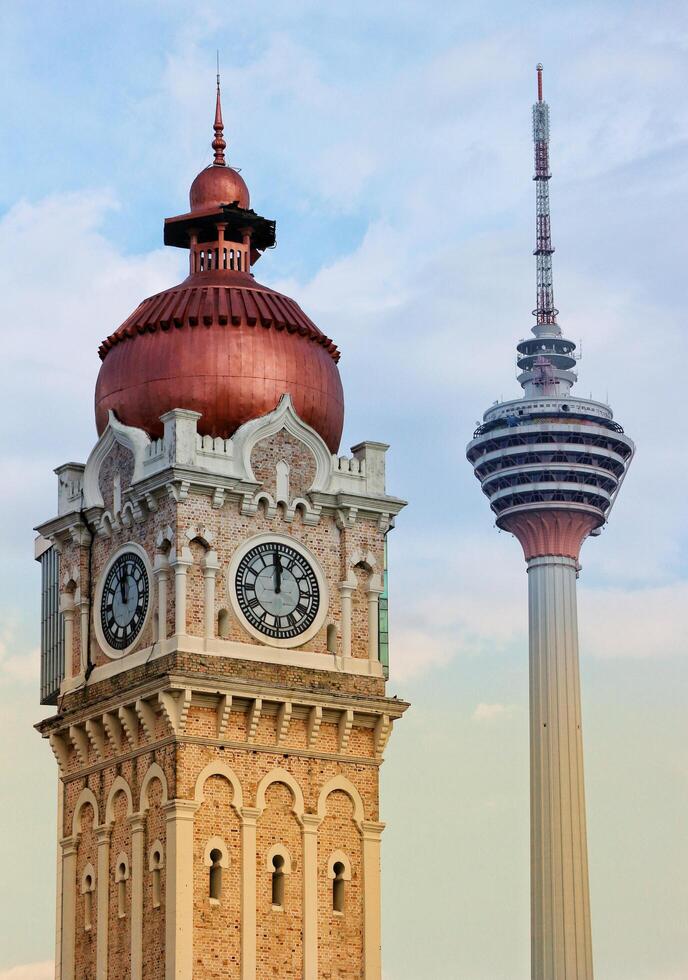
(338, 886)
(278, 882)
(332, 638)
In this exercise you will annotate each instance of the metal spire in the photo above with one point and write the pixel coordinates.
(219, 145)
(545, 311)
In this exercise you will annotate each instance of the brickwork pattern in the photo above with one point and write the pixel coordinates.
(283, 447)
(340, 947)
(217, 927)
(279, 931)
(154, 918)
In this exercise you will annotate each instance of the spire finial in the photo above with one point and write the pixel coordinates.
(545, 311)
(219, 145)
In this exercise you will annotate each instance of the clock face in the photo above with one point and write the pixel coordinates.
(124, 601)
(277, 590)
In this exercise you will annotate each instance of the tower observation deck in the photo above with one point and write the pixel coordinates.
(551, 464)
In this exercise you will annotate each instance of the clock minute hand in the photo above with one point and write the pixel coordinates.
(278, 572)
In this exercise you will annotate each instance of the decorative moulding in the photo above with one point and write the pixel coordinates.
(135, 440)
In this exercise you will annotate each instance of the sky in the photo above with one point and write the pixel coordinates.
(392, 144)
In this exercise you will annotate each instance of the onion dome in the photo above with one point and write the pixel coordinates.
(219, 343)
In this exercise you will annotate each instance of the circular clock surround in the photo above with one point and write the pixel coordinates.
(123, 600)
(291, 618)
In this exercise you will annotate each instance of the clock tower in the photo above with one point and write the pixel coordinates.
(214, 636)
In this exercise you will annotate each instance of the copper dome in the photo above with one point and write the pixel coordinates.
(219, 343)
(225, 346)
(216, 185)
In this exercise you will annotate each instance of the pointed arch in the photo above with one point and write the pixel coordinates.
(280, 775)
(343, 784)
(153, 772)
(119, 785)
(133, 439)
(219, 768)
(85, 796)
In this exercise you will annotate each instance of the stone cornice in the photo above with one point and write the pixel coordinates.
(170, 697)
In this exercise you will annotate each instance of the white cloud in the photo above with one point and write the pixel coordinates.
(492, 712)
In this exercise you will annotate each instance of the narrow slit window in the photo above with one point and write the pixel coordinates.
(278, 882)
(122, 892)
(88, 902)
(155, 867)
(338, 887)
(215, 875)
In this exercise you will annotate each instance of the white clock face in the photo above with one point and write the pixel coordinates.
(124, 600)
(277, 590)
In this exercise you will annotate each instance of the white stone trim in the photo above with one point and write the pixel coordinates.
(102, 642)
(156, 848)
(85, 796)
(283, 417)
(308, 659)
(280, 775)
(153, 772)
(278, 850)
(217, 767)
(339, 857)
(119, 785)
(341, 783)
(216, 844)
(316, 625)
(135, 440)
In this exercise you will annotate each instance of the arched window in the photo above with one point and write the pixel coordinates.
(278, 863)
(332, 638)
(215, 859)
(121, 876)
(338, 886)
(278, 882)
(339, 871)
(88, 886)
(155, 867)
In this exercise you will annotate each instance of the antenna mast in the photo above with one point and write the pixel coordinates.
(545, 311)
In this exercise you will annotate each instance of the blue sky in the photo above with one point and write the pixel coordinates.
(392, 144)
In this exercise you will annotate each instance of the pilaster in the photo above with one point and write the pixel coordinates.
(309, 827)
(69, 856)
(180, 562)
(136, 823)
(371, 832)
(179, 889)
(103, 896)
(249, 818)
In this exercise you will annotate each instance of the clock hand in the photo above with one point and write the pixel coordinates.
(120, 575)
(278, 572)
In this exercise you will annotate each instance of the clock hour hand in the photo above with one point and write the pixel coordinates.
(278, 572)
(120, 575)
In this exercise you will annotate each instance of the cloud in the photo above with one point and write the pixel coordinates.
(492, 712)
(44, 970)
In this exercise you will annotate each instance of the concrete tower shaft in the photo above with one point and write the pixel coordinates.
(551, 465)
